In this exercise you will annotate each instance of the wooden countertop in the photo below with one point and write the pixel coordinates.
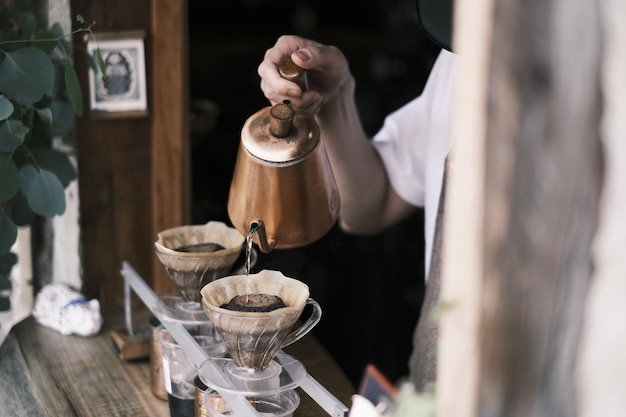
(43, 373)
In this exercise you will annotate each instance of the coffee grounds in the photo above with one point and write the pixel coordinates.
(255, 303)
(201, 247)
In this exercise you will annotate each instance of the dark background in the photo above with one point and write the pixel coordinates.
(371, 288)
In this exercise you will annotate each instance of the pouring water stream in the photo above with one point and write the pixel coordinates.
(253, 228)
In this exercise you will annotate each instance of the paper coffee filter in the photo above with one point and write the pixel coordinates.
(212, 232)
(253, 338)
(293, 292)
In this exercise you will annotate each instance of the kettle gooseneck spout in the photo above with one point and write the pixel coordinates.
(258, 227)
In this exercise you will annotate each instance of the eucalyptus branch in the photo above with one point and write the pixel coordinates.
(99, 59)
(33, 110)
(88, 29)
(57, 39)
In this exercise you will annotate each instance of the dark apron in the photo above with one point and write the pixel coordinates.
(423, 361)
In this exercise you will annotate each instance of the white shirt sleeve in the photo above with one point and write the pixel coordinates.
(415, 140)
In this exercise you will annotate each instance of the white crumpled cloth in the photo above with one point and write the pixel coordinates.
(61, 308)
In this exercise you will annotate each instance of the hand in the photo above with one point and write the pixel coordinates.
(327, 73)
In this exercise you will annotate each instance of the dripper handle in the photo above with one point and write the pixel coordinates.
(306, 326)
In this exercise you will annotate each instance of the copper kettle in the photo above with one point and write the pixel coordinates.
(283, 186)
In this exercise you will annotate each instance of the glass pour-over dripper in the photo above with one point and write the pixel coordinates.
(253, 363)
(197, 254)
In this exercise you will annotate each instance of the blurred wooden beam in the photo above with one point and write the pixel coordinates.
(602, 364)
(516, 279)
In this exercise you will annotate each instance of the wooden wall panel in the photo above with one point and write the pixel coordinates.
(133, 174)
(170, 181)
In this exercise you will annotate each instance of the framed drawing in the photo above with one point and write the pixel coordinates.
(121, 91)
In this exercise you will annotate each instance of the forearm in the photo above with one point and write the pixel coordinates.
(368, 202)
(358, 170)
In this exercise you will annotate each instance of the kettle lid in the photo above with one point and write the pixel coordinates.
(280, 134)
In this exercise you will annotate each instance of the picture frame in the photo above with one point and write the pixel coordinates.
(121, 92)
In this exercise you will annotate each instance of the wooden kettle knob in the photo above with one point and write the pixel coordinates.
(292, 72)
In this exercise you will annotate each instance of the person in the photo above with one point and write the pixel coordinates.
(384, 179)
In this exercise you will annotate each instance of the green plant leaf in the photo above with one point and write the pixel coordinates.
(92, 63)
(10, 183)
(59, 163)
(96, 63)
(45, 41)
(12, 134)
(7, 262)
(21, 214)
(27, 175)
(62, 117)
(45, 114)
(73, 88)
(44, 192)
(56, 30)
(27, 22)
(8, 233)
(26, 74)
(101, 65)
(62, 40)
(6, 108)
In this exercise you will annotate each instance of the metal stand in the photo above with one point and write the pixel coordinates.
(199, 357)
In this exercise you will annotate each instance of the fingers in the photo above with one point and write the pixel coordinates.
(289, 45)
(274, 86)
(327, 71)
(277, 89)
(308, 101)
(311, 102)
(284, 45)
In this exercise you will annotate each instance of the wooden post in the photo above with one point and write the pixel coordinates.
(523, 208)
(602, 365)
(170, 180)
(458, 359)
